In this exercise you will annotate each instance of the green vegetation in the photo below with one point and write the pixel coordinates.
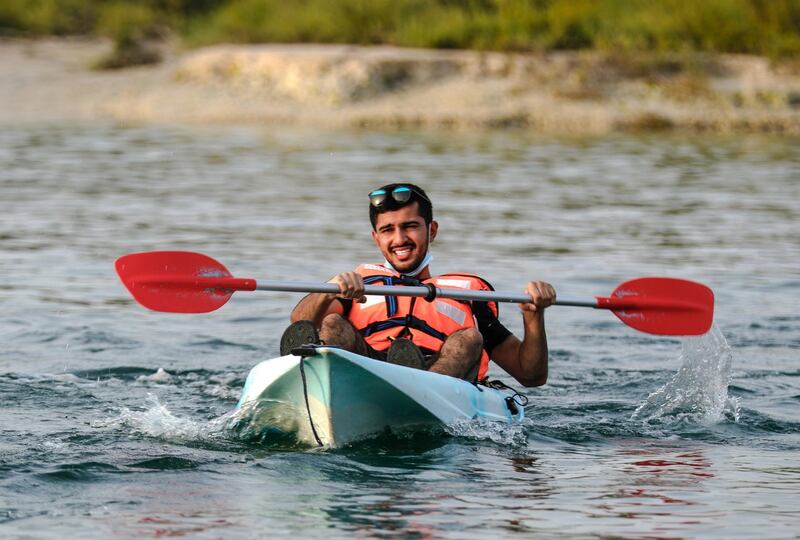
(765, 27)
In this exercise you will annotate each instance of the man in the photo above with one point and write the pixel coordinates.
(443, 336)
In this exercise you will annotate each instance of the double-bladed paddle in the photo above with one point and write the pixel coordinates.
(188, 282)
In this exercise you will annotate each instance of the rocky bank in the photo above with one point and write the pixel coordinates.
(343, 86)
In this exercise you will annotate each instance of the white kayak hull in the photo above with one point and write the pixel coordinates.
(349, 397)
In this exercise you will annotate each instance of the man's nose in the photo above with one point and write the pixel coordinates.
(399, 236)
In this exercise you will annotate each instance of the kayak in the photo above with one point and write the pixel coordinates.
(333, 397)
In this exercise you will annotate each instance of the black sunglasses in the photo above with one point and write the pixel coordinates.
(400, 194)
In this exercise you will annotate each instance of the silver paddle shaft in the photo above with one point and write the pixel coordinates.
(421, 292)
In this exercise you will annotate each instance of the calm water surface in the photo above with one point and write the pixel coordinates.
(111, 416)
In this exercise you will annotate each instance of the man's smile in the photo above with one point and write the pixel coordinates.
(403, 252)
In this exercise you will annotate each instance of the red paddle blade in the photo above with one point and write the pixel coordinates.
(177, 281)
(663, 306)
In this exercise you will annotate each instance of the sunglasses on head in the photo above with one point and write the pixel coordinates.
(400, 194)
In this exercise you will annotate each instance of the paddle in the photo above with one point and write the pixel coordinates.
(187, 282)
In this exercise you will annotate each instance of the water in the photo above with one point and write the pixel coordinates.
(114, 418)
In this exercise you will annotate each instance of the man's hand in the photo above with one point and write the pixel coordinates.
(542, 295)
(351, 285)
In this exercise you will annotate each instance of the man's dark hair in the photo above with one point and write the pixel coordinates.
(418, 195)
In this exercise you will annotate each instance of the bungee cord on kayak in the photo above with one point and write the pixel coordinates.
(301, 366)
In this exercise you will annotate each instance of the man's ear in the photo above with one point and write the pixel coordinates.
(375, 238)
(434, 230)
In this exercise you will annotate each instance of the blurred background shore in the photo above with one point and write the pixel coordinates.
(551, 66)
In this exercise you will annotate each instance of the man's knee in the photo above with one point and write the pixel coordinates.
(337, 331)
(469, 337)
(332, 325)
(460, 354)
(332, 319)
(466, 343)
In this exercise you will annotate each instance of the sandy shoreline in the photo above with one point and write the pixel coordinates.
(342, 86)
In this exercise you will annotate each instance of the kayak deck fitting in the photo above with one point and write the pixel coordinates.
(334, 397)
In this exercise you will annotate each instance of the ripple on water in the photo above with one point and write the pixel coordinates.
(165, 463)
(88, 471)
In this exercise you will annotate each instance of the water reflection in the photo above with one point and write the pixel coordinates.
(665, 483)
(455, 488)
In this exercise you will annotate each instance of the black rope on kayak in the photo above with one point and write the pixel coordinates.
(514, 401)
(308, 407)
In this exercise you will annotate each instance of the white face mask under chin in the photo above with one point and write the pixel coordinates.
(425, 262)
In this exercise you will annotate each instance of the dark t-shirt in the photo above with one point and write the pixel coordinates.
(490, 327)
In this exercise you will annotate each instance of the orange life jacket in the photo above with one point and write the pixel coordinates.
(381, 319)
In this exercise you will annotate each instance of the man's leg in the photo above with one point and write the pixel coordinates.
(460, 355)
(338, 332)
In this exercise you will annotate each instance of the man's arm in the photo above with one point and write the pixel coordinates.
(316, 306)
(527, 360)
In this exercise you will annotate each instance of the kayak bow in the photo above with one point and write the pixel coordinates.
(336, 397)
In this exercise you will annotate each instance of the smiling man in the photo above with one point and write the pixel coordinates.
(444, 336)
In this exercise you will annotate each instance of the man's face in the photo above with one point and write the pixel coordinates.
(402, 237)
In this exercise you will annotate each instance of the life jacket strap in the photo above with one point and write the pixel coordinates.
(391, 301)
(408, 321)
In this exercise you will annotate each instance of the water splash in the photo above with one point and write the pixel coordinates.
(160, 376)
(698, 393)
(157, 421)
(234, 430)
(513, 434)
